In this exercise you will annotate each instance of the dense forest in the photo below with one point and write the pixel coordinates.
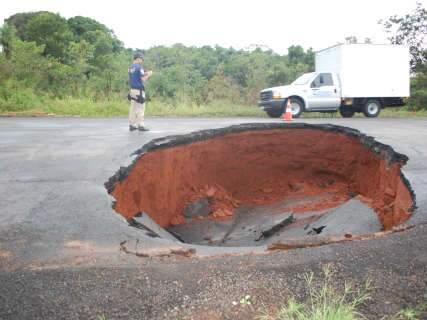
(46, 56)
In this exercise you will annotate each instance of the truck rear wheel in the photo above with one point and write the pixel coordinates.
(346, 112)
(372, 108)
(274, 113)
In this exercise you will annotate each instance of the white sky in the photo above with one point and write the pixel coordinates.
(276, 24)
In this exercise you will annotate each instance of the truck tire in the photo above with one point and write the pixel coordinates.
(297, 107)
(346, 112)
(274, 113)
(372, 108)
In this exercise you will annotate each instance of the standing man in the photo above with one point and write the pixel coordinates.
(137, 77)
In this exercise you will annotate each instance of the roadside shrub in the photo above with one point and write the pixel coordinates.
(19, 99)
(325, 301)
(418, 100)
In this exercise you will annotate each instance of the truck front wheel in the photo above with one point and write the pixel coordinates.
(346, 112)
(372, 108)
(297, 107)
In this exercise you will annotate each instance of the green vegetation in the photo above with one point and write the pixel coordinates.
(77, 66)
(411, 30)
(324, 301)
(417, 313)
(85, 107)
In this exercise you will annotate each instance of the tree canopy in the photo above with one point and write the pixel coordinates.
(411, 30)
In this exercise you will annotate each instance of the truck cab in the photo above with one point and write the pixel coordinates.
(315, 91)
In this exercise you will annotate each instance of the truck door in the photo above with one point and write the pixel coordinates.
(324, 94)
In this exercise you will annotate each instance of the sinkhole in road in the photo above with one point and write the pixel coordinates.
(257, 184)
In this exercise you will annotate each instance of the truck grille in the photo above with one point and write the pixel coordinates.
(266, 95)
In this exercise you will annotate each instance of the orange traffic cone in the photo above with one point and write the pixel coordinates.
(287, 116)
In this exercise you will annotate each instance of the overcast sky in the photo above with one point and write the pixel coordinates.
(276, 24)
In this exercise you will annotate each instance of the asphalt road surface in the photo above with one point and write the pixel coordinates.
(60, 240)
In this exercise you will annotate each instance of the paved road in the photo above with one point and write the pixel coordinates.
(56, 216)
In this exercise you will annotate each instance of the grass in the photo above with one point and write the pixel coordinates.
(412, 313)
(85, 107)
(324, 301)
(112, 108)
(220, 109)
(403, 112)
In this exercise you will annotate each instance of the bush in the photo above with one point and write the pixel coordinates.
(325, 301)
(19, 99)
(418, 100)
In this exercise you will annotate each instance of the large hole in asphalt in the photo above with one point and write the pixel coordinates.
(255, 184)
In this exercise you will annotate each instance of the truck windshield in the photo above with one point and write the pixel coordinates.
(304, 79)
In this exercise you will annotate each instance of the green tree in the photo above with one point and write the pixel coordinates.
(178, 82)
(79, 54)
(418, 99)
(296, 54)
(91, 30)
(50, 30)
(6, 70)
(28, 63)
(309, 59)
(7, 36)
(222, 88)
(20, 20)
(81, 25)
(103, 45)
(411, 30)
(206, 61)
(238, 67)
(111, 80)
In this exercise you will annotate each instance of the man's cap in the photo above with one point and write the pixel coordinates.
(138, 55)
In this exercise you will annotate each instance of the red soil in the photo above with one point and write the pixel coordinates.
(262, 167)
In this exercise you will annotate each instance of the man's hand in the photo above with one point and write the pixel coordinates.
(147, 75)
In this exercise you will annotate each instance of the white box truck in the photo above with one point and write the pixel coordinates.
(350, 78)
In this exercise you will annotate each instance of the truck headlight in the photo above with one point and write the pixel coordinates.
(277, 95)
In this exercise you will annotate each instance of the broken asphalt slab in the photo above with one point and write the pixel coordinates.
(261, 226)
(352, 218)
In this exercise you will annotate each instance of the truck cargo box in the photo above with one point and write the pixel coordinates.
(367, 70)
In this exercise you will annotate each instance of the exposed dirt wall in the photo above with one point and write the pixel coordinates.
(264, 166)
